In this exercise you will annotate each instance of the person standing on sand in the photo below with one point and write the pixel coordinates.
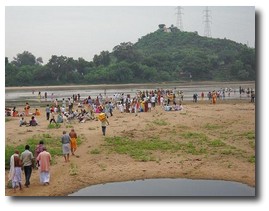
(48, 112)
(44, 159)
(15, 170)
(202, 96)
(27, 108)
(27, 163)
(39, 97)
(39, 148)
(66, 141)
(73, 141)
(53, 119)
(214, 97)
(104, 122)
(46, 96)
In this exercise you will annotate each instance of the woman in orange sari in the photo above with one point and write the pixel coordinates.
(73, 143)
(214, 97)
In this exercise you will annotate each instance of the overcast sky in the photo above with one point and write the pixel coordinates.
(87, 30)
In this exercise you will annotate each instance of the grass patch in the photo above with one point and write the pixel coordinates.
(249, 135)
(252, 144)
(54, 126)
(252, 159)
(143, 150)
(191, 149)
(69, 126)
(7, 119)
(102, 166)
(217, 143)
(140, 150)
(73, 169)
(183, 143)
(194, 148)
(197, 137)
(212, 127)
(80, 139)
(226, 152)
(95, 151)
(160, 122)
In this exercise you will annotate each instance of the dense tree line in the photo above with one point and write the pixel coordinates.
(156, 57)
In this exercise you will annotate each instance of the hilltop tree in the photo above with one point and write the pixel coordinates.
(102, 59)
(25, 58)
(125, 52)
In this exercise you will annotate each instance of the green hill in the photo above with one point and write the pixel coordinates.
(185, 54)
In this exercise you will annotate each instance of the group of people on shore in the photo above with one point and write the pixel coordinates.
(40, 159)
(26, 162)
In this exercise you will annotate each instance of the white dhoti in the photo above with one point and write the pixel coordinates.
(16, 180)
(44, 177)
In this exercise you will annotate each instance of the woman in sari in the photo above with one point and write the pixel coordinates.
(73, 142)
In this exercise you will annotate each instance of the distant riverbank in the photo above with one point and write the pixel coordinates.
(17, 96)
(36, 88)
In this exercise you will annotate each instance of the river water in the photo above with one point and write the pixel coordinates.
(13, 95)
(168, 187)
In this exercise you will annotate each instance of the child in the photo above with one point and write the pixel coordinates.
(37, 112)
(33, 121)
(22, 122)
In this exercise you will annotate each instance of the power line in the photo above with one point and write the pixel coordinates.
(179, 23)
(207, 21)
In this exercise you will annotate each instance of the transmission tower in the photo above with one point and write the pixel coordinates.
(207, 21)
(179, 18)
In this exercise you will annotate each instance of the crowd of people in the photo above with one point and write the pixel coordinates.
(142, 101)
(98, 109)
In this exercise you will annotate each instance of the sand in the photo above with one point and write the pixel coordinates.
(228, 121)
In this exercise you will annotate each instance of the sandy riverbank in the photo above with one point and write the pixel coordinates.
(229, 128)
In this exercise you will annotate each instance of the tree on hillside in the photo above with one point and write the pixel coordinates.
(39, 60)
(126, 51)
(102, 59)
(25, 58)
(197, 65)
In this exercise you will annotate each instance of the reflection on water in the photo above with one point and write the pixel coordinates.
(168, 187)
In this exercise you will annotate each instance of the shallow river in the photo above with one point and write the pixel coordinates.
(13, 95)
